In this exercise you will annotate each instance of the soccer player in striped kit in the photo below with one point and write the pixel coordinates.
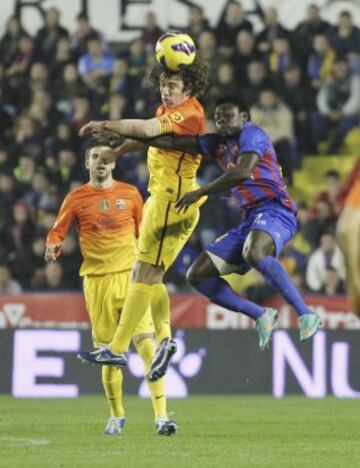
(254, 177)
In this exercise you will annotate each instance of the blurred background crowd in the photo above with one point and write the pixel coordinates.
(302, 86)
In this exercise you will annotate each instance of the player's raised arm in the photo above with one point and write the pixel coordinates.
(58, 232)
(242, 171)
(138, 128)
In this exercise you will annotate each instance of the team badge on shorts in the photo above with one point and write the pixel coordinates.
(104, 205)
(120, 204)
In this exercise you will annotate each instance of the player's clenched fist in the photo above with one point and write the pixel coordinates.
(52, 252)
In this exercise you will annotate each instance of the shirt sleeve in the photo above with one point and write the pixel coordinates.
(253, 140)
(138, 209)
(208, 144)
(62, 224)
(184, 121)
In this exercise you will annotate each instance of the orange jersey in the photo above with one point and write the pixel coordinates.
(353, 198)
(173, 173)
(108, 223)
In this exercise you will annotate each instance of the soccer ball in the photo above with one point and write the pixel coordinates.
(175, 50)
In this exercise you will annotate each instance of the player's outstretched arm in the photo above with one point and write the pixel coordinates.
(242, 171)
(137, 128)
(186, 144)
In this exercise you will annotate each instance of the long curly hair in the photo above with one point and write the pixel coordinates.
(194, 76)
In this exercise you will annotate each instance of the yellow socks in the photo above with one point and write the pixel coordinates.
(160, 311)
(112, 379)
(137, 301)
(146, 350)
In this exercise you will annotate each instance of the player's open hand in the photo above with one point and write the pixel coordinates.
(52, 252)
(91, 127)
(186, 200)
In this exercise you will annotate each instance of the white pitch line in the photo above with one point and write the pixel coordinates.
(16, 441)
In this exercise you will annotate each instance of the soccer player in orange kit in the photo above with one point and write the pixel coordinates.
(164, 231)
(348, 232)
(108, 215)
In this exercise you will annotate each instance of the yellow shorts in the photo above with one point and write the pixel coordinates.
(164, 232)
(104, 298)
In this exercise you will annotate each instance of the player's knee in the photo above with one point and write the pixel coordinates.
(253, 255)
(194, 276)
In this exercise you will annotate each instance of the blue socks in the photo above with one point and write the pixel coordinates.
(220, 293)
(279, 280)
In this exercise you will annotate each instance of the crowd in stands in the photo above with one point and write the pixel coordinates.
(302, 86)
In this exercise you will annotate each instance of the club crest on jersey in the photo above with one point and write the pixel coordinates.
(105, 205)
(120, 204)
(177, 117)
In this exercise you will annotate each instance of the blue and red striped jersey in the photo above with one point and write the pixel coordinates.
(266, 182)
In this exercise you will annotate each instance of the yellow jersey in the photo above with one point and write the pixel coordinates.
(173, 173)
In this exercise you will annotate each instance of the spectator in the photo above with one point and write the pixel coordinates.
(272, 115)
(300, 98)
(24, 171)
(306, 237)
(257, 81)
(244, 54)
(231, 23)
(27, 137)
(116, 108)
(20, 61)
(224, 84)
(120, 81)
(197, 22)
(207, 45)
(321, 61)
(328, 255)
(63, 56)
(81, 112)
(331, 195)
(345, 37)
(333, 284)
(55, 278)
(83, 32)
(281, 56)
(338, 102)
(7, 284)
(151, 32)
(272, 30)
(48, 36)
(96, 64)
(67, 87)
(306, 30)
(9, 42)
(137, 58)
(42, 196)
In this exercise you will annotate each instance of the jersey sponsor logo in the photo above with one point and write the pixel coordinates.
(177, 117)
(120, 204)
(104, 205)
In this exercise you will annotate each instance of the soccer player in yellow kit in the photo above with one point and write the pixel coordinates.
(108, 215)
(164, 231)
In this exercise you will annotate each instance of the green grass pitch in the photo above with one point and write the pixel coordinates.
(215, 431)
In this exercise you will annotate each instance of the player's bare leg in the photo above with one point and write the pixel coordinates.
(348, 233)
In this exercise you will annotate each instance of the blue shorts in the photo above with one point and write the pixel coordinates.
(273, 218)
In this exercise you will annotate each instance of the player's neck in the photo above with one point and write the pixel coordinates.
(103, 184)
